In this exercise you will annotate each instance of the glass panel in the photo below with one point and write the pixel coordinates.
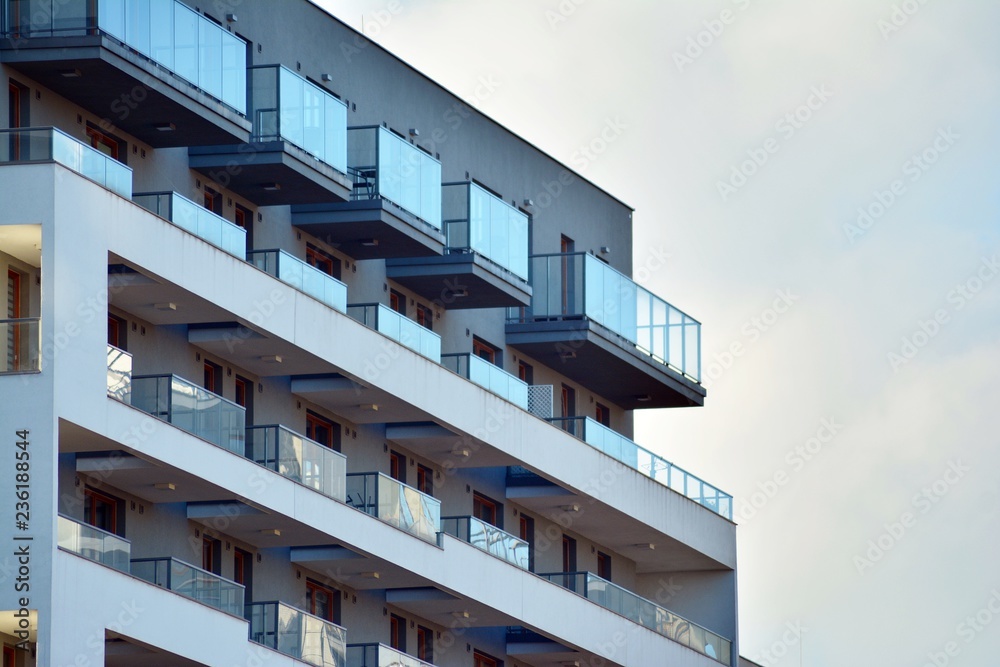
(191, 582)
(209, 58)
(291, 101)
(93, 543)
(22, 353)
(307, 279)
(119, 374)
(489, 376)
(185, 43)
(395, 503)
(197, 220)
(298, 458)
(161, 43)
(401, 329)
(192, 408)
(297, 634)
(234, 71)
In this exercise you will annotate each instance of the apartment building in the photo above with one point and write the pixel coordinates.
(308, 362)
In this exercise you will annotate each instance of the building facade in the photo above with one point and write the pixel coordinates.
(369, 366)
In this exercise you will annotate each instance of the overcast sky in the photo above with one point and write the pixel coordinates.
(754, 131)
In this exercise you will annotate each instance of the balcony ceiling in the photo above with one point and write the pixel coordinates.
(460, 281)
(598, 359)
(369, 229)
(274, 173)
(125, 90)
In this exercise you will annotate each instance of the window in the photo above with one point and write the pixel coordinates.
(322, 601)
(397, 301)
(8, 656)
(527, 533)
(117, 327)
(101, 511)
(243, 572)
(425, 317)
(213, 377)
(324, 262)
(397, 633)
(568, 407)
(105, 143)
(525, 372)
(322, 430)
(602, 415)
(213, 200)
(244, 218)
(397, 466)
(244, 397)
(566, 246)
(481, 659)
(13, 312)
(486, 509)
(211, 554)
(425, 644)
(568, 554)
(17, 112)
(425, 479)
(603, 565)
(484, 350)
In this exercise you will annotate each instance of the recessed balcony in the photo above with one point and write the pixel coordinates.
(292, 271)
(646, 613)
(195, 219)
(191, 408)
(619, 447)
(297, 634)
(298, 147)
(489, 538)
(380, 655)
(398, 327)
(596, 326)
(485, 264)
(395, 200)
(489, 376)
(156, 69)
(48, 144)
(191, 582)
(298, 458)
(395, 503)
(93, 543)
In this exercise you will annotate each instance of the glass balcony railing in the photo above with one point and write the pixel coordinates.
(195, 219)
(645, 613)
(284, 106)
(386, 166)
(119, 374)
(191, 408)
(395, 503)
(48, 144)
(578, 285)
(477, 221)
(398, 327)
(167, 32)
(191, 582)
(489, 538)
(619, 447)
(307, 279)
(297, 634)
(380, 655)
(298, 458)
(489, 376)
(93, 543)
(22, 350)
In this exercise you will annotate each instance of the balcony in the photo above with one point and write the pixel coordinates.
(93, 543)
(619, 447)
(298, 145)
(489, 538)
(191, 582)
(156, 69)
(119, 374)
(395, 201)
(485, 264)
(23, 345)
(594, 325)
(398, 327)
(297, 634)
(489, 376)
(647, 614)
(395, 503)
(380, 655)
(307, 279)
(298, 458)
(191, 408)
(48, 144)
(195, 219)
